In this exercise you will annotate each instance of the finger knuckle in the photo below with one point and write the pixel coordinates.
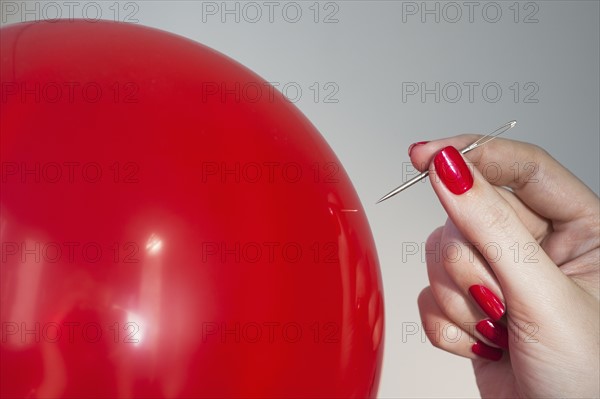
(497, 217)
(537, 151)
(424, 296)
(452, 246)
(434, 239)
(433, 338)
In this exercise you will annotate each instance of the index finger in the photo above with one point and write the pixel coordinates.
(538, 179)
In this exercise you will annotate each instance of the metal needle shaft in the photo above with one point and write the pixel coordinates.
(483, 140)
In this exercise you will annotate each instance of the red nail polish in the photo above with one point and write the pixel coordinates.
(413, 145)
(453, 171)
(486, 351)
(494, 332)
(487, 301)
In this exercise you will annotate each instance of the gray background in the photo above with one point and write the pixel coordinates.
(364, 55)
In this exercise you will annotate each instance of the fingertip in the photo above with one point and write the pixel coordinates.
(451, 167)
(421, 153)
(487, 352)
(415, 151)
(415, 145)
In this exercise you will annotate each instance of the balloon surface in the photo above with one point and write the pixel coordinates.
(172, 226)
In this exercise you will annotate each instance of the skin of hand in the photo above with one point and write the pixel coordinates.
(526, 229)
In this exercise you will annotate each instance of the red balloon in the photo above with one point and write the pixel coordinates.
(173, 227)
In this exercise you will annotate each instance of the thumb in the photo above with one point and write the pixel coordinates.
(491, 225)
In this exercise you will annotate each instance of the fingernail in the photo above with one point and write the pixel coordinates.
(495, 332)
(413, 145)
(486, 351)
(453, 171)
(487, 301)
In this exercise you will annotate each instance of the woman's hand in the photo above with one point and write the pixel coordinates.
(516, 269)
